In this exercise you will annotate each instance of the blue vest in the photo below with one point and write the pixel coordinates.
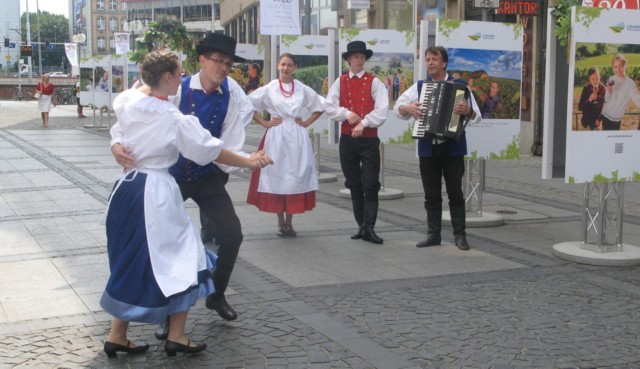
(211, 111)
(456, 148)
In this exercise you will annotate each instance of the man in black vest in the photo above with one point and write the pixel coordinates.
(440, 157)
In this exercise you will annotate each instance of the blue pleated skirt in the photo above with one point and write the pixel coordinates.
(132, 293)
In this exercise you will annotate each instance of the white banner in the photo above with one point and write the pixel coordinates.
(123, 45)
(603, 142)
(488, 56)
(279, 17)
(72, 53)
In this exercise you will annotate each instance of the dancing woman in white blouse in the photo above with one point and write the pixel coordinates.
(158, 263)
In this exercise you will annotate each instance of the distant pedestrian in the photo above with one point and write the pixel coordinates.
(80, 107)
(46, 91)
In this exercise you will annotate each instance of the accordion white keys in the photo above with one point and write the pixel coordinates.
(437, 100)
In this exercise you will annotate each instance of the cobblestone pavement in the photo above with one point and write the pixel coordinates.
(507, 303)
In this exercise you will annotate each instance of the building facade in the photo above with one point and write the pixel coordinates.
(97, 21)
(198, 16)
(10, 30)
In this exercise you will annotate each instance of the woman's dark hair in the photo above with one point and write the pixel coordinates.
(287, 55)
(155, 64)
(592, 70)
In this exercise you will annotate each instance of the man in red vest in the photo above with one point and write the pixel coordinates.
(360, 101)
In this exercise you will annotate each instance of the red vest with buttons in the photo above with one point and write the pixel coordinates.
(355, 95)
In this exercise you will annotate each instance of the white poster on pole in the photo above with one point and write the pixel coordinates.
(488, 56)
(279, 17)
(123, 42)
(394, 56)
(603, 115)
(71, 50)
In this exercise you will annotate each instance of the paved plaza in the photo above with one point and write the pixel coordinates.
(320, 300)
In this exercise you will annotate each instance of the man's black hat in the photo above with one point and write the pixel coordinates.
(220, 43)
(357, 47)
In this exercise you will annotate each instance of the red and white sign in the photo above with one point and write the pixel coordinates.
(616, 4)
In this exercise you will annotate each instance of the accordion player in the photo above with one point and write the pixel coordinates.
(437, 102)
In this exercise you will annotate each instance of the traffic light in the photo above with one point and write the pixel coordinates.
(6, 42)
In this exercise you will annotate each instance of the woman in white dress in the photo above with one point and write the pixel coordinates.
(289, 186)
(46, 90)
(158, 264)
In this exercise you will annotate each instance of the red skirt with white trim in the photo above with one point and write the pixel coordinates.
(296, 203)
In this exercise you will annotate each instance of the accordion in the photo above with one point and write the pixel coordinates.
(438, 119)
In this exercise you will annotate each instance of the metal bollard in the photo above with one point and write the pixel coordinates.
(316, 150)
(382, 166)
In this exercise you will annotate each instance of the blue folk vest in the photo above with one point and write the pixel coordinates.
(211, 111)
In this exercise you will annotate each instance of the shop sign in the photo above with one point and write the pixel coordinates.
(616, 4)
(519, 7)
(358, 4)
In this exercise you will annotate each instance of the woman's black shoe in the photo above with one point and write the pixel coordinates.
(172, 348)
(111, 349)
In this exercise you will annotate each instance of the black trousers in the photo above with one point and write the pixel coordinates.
(610, 125)
(439, 165)
(360, 162)
(212, 198)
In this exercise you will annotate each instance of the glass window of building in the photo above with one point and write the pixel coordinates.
(216, 8)
(113, 24)
(112, 43)
(399, 14)
(123, 6)
(100, 43)
(100, 23)
(100, 4)
(113, 5)
(172, 13)
(197, 13)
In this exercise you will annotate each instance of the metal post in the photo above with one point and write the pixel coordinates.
(473, 184)
(596, 218)
(602, 214)
(619, 214)
(316, 150)
(585, 212)
(39, 41)
(381, 166)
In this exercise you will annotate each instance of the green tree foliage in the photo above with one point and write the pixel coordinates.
(166, 33)
(53, 28)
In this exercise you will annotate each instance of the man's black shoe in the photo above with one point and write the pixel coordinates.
(369, 235)
(431, 240)
(218, 303)
(461, 242)
(357, 235)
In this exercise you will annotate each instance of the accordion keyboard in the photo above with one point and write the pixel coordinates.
(419, 126)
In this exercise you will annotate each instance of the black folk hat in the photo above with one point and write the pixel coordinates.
(220, 43)
(357, 47)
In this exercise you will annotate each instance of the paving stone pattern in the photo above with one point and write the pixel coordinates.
(547, 313)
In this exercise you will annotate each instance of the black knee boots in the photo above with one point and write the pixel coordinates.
(434, 223)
